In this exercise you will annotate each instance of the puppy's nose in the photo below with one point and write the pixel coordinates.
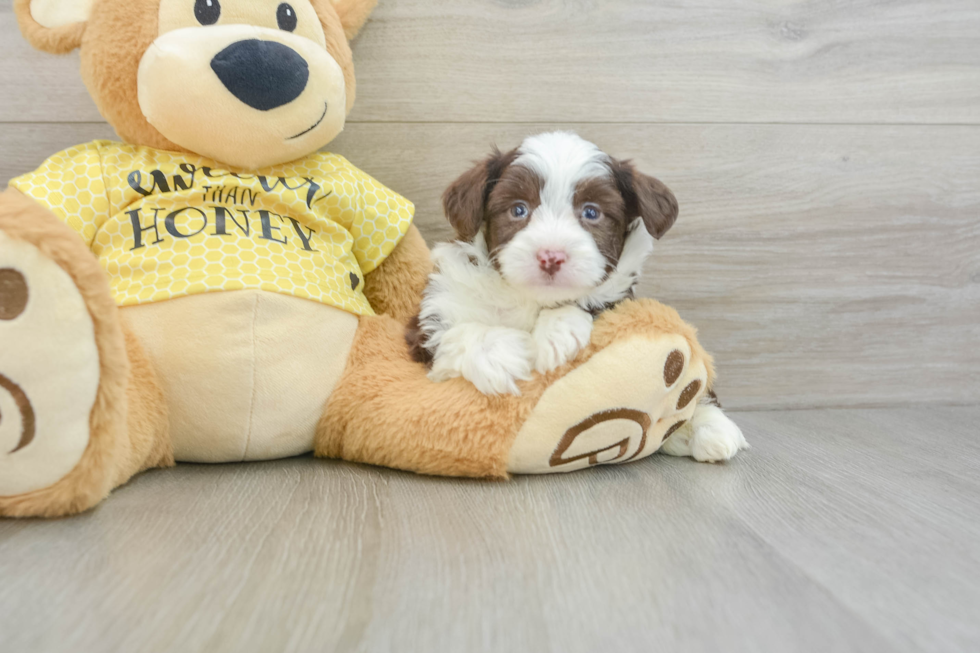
(550, 261)
(262, 74)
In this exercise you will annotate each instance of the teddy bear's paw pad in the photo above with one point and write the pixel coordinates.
(49, 370)
(618, 406)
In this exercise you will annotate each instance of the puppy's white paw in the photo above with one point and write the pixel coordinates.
(710, 437)
(502, 359)
(491, 358)
(559, 334)
(716, 436)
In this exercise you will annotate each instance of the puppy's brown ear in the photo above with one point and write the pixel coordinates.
(465, 201)
(645, 197)
(54, 26)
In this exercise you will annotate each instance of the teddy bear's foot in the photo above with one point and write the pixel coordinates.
(49, 370)
(620, 404)
(709, 437)
(636, 383)
(63, 369)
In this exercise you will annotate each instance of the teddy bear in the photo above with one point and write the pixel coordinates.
(214, 287)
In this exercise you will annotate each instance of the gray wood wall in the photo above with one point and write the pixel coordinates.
(826, 156)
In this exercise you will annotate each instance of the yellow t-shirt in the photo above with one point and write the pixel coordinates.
(165, 224)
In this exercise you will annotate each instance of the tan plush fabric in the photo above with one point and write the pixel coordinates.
(113, 451)
(308, 374)
(56, 40)
(147, 423)
(50, 367)
(182, 98)
(353, 13)
(385, 411)
(119, 33)
(615, 409)
(244, 373)
(59, 13)
(336, 29)
(115, 39)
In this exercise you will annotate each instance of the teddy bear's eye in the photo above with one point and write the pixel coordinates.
(207, 12)
(286, 17)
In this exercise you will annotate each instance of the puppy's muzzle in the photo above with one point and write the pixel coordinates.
(262, 74)
(550, 261)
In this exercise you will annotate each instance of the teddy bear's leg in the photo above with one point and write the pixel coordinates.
(637, 383)
(80, 411)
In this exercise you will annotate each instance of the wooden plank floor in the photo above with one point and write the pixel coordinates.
(851, 530)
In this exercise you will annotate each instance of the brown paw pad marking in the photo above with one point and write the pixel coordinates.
(688, 394)
(673, 367)
(13, 293)
(671, 430)
(27, 419)
(641, 418)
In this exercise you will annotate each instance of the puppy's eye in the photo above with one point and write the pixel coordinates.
(207, 12)
(286, 17)
(591, 212)
(519, 211)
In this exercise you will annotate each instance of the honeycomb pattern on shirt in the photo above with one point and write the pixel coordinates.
(165, 224)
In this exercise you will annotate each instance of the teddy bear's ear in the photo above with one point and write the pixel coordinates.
(353, 14)
(54, 26)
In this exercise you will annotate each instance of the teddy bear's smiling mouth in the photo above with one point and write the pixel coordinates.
(315, 125)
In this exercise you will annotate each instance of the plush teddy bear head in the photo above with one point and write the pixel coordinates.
(248, 83)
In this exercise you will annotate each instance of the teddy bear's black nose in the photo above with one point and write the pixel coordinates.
(262, 74)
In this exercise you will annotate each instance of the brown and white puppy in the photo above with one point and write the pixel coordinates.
(549, 234)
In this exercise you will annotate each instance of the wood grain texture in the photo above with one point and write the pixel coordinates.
(38, 86)
(838, 531)
(894, 61)
(824, 266)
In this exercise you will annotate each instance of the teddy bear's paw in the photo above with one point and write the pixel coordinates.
(49, 370)
(616, 407)
(709, 437)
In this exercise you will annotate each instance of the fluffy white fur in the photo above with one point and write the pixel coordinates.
(491, 332)
(619, 283)
(494, 327)
(709, 437)
(562, 160)
(559, 334)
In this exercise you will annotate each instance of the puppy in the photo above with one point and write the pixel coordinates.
(549, 234)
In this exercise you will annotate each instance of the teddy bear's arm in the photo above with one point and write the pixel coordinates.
(395, 287)
(70, 184)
